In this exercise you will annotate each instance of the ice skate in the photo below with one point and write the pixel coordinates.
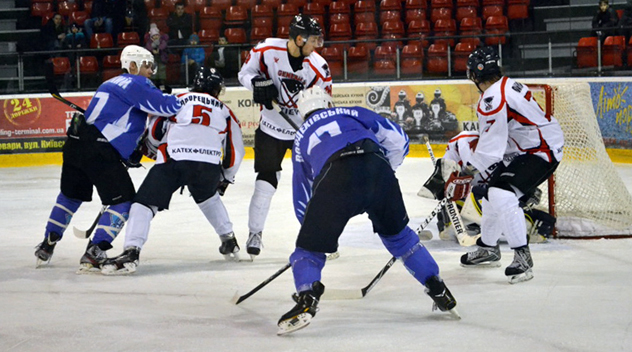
(44, 250)
(93, 258)
(229, 248)
(305, 309)
(442, 297)
(124, 264)
(254, 244)
(484, 256)
(521, 268)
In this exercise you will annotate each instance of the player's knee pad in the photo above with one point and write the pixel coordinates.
(111, 222)
(306, 267)
(269, 177)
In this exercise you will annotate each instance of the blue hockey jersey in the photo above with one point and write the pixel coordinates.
(120, 107)
(329, 130)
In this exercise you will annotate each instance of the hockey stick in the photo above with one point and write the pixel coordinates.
(49, 72)
(336, 294)
(238, 299)
(285, 116)
(83, 234)
(464, 239)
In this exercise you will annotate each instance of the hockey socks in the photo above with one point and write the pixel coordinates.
(137, 229)
(416, 258)
(61, 214)
(111, 222)
(306, 267)
(260, 205)
(216, 214)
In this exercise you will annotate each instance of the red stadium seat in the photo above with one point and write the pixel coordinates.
(445, 28)
(195, 5)
(88, 64)
(173, 69)
(47, 17)
(334, 59)
(412, 58)
(367, 31)
(258, 34)
(78, 17)
(112, 61)
(587, 52)
(61, 65)
(437, 60)
(364, 6)
(339, 7)
(263, 22)
(518, 9)
(159, 16)
(435, 4)
(461, 53)
(41, 8)
(340, 32)
(273, 4)
(416, 4)
(463, 12)
(101, 40)
(389, 16)
(210, 18)
(65, 8)
(358, 60)
(248, 4)
(496, 25)
(359, 17)
(414, 15)
(262, 11)
(323, 2)
(388, 5)
(419, 29)
(236, 16)
(471, 26)
(208, 36)
(613, 49)
(222, 5)
(127, 38)
(169, 5)
(441, 13)
(149, 4)
(236, 35)
(491, 10)
(339, 18)
(314, 9)
(384, 61)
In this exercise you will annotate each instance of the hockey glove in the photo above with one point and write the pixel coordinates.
(221, 188)
(264, 91)
(457, 187)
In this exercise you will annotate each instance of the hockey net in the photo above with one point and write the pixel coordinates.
(586, 193)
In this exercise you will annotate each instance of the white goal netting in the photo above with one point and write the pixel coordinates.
(590, 198)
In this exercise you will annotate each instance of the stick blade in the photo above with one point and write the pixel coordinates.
(236, 298)
(82, 234)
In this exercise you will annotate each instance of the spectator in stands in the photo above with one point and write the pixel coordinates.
(226, 59)
(75, 39)
(135, 22)
(192, 57)
(156, 43)
(606, 17)
(53, 33)
(180, 26)
(107, 16)
(625, 22)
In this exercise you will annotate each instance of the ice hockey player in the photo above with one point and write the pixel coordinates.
(458, 153)
(203, 149)
(526, 143)
(277, 70)
(344, 165)
(97, 151)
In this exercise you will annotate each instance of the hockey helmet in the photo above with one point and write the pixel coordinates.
(420, 97)
(306, 26)
(437, 93)
(138, 55)
(312, 99)
(401, 95)
(208, 80)
(482, 65)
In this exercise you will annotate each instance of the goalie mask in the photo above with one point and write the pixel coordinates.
(138, 55)
(313, 99)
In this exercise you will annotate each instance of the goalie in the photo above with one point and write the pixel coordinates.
(458, 153)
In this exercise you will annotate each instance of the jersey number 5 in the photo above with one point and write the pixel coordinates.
(202, 115)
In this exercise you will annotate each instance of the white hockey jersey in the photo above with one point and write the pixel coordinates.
(269, 59)
(461, 148)
(204, 130)
(511, 123)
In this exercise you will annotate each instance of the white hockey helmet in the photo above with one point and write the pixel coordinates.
(312, 99)
(136, 54)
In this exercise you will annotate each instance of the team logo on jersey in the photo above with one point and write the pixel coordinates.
(326, 69)
(276, 59)
(291, 87)
(488, 103)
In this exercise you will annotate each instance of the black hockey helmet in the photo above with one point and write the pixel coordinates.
(208, 80)
(420, 97)
(305, 26)
(482, 65)
(401, 95)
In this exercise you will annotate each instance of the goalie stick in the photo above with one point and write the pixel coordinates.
(238, 299)
(462, 236)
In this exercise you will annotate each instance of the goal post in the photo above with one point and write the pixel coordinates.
(586, 193)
